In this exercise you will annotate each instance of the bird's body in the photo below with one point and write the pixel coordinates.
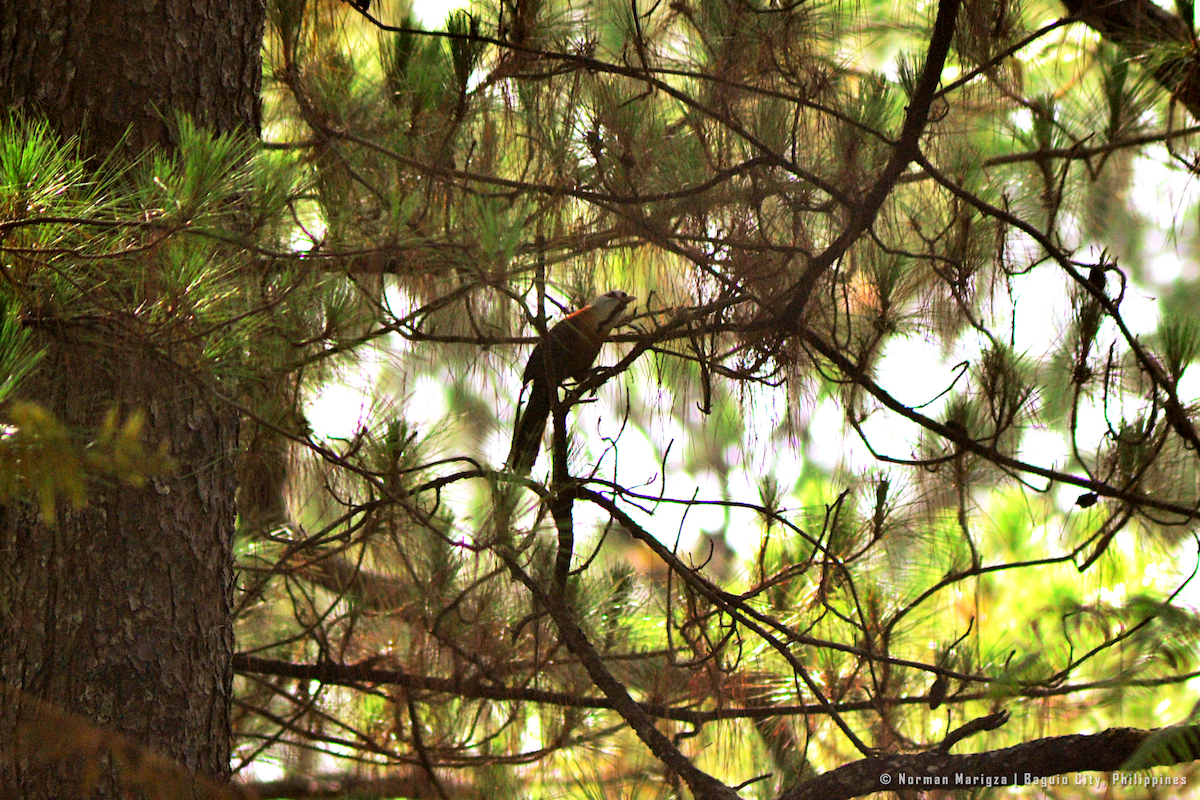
(567, 351)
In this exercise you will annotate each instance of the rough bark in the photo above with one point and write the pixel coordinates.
(122, 611)
(107, 67)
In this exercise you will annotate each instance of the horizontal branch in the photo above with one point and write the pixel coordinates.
(1011, 766)
(366, 673)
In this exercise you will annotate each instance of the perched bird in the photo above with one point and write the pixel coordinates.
(567, 351)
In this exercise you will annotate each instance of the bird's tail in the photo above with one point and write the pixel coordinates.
(531, 425)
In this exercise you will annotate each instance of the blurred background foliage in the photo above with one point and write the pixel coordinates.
(962, 480)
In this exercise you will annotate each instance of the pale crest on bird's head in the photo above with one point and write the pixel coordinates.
(608, 306)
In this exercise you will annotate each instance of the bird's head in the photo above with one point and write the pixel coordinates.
(607, 308)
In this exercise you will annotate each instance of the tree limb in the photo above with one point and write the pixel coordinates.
(1152, 35)
(1010, 766)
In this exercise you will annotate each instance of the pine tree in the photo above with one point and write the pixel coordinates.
(886, 465)
(116, 598)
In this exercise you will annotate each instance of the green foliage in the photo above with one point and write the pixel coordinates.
(846, 471)
(36, 170)
(1180, 343)
(188, 252)
(1167, 746)
(18, 352)
(41, 460)
(705, 156)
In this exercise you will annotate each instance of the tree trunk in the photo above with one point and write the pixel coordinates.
(102, 68)
(122, 611)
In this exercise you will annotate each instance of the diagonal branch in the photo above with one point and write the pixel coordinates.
(702, 785)
(907, 148)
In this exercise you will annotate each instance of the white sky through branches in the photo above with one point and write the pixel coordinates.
(913, 369)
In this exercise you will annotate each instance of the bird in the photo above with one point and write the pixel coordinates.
(567, 351)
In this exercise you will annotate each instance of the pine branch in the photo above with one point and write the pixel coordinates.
(906, 149)
(1011, 766)
(1150, 34)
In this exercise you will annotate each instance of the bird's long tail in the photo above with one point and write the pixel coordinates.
(531, 425)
